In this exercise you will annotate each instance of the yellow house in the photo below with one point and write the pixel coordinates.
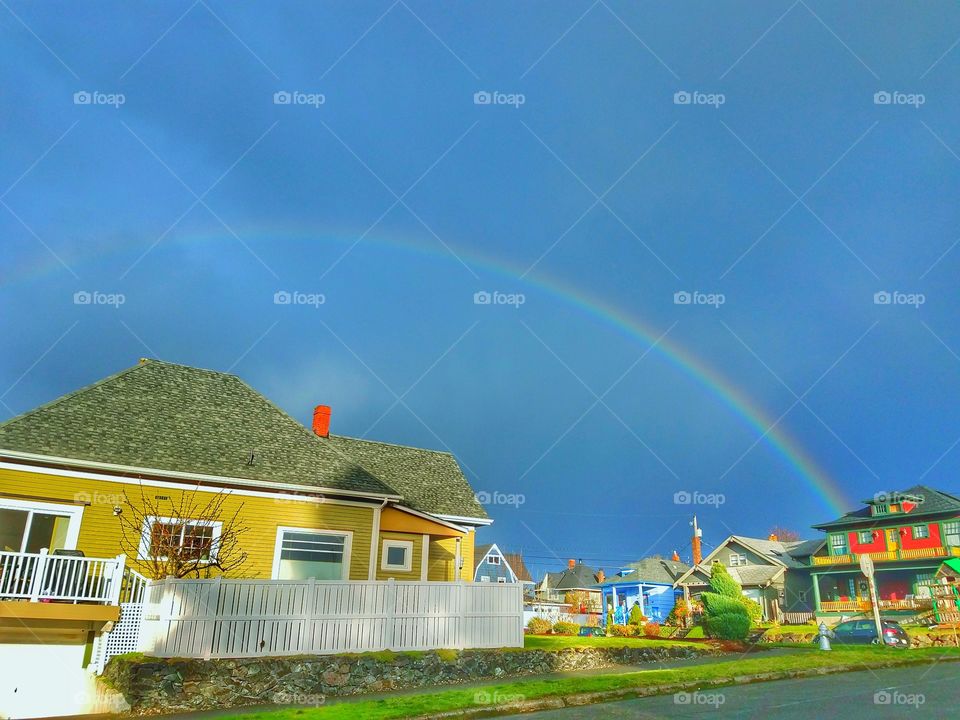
(311, 504)
(100, 481)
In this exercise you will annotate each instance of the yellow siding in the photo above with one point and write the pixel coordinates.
(100, 531)
(442, 558)
(414, 573)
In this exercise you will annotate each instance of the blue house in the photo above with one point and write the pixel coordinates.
(493, 565)
(649, 583)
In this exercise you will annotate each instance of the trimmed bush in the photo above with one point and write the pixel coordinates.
(539, 626)
(652, 630)
(636, 617)
(754, 610)
(722, 583)
(714, 604)
(565, 628)
(678, 614)
(728, 626)
(623, 630)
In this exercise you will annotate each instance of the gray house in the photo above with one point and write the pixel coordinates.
(774, 573)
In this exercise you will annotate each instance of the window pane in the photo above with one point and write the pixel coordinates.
(12, 525)
(304, 555)
(164, 537)
(197, 542)
(396, 556)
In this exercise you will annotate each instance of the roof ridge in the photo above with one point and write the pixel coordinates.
(390, 444)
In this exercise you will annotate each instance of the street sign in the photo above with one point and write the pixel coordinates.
(866, 565)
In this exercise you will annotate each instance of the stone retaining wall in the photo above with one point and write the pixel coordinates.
(153, 685)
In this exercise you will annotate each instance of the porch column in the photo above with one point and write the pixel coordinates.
(643, 609)
(816, 592)
(613, 590)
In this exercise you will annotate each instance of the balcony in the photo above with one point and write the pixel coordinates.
(41, 577)
(887, 556)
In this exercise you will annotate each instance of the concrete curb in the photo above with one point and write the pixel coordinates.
(560, 702)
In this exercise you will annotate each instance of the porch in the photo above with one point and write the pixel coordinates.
(655, 600)
(898, 590)
(70, 578)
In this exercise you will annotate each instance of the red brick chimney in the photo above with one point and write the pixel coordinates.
(696, 543)
(571, 563)
(773, 537)
(321, 420)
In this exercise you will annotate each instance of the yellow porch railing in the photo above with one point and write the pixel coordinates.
(858, 606)
(887, 556)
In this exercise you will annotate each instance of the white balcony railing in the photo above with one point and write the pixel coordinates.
(41, 577)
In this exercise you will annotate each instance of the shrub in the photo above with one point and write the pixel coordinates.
(725, 617)
(538, 626)
(652, 630)
(728, 626)
(754, 609)
(722, 583)
(636, 617)
(565, 628)
(678, 614)
(623, 630)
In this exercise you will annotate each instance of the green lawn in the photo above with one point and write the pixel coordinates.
(715, 674)
(558, 642)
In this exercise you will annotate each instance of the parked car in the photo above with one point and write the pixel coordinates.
(591, 632)
(865, 632)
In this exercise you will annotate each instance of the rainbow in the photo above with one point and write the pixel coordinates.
(768, 430)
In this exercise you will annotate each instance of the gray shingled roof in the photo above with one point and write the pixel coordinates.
(429, 481)
(651, 569)
(578, 577)
(935, 502)
(791, 553)
(158, 415)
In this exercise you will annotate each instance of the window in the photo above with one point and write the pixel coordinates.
(501, 579)
(737, 560)
(865, 537)
(838, 544)
(880, 510)
(397, 555)
(951, 533)
(191, 539)
(484, 578)
(29, 526)
(302, 553)
(493, 559)
(920, 532)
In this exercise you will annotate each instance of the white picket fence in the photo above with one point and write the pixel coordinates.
(244, 618)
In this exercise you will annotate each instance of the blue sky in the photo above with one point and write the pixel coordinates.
(785, 188)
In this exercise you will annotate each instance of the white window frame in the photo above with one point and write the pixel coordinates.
(738, 560)
(501, 579)
(925, 529)
(407, 546)
(485, 578)
(493, 559)
(74, 512)
(865, 533)
(278, 544)
(950, 527)
(150, 520)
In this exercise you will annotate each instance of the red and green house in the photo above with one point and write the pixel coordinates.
(907, 534)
